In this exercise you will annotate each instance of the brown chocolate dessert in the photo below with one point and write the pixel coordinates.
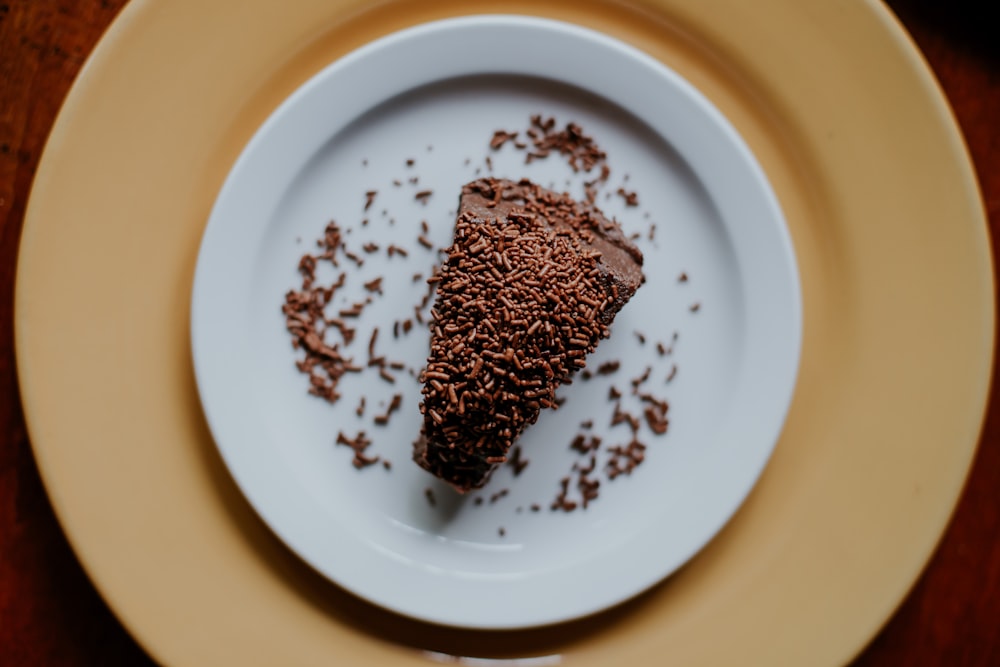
(530, 286)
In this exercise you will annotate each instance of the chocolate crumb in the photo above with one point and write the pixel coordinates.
(561, 502)
(672, 374)
(383, 419)
(585, 445)
(683, 278)
(587, 469)
(517, 461)
(423, 195)
(429, 495)
(498, 495)
(370, 198)
(636, 382)
(641, 336)
(631, 198)
(657, 422)
(655, 413)
(581, 151)
(608, 367)
(358, 444)
(620, 416)
(410, 162)
(500, 137)
(478, 500)
(535, 507)
(305, 321)
(501, 531)
(387, 464)
(589, 488)
(625, 459)
(695, 307)
(353, 311)
(374, 285)
(360, 410)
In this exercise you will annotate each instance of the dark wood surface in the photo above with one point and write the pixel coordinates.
(50, 614)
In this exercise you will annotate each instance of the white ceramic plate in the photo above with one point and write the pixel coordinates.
(434, 95)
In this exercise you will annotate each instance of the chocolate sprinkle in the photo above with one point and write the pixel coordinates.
(625, 459)
(517, 461)
(585, 445)
(383, 419)
(500, 137)
(358, 444)
(561, 501)
(608, 367)
(305, 321)
(631, 198)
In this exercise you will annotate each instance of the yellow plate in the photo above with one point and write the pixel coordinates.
(891, 239)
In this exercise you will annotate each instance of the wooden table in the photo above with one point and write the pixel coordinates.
(50, 614)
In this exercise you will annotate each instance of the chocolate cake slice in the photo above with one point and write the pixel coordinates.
(530, 286)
